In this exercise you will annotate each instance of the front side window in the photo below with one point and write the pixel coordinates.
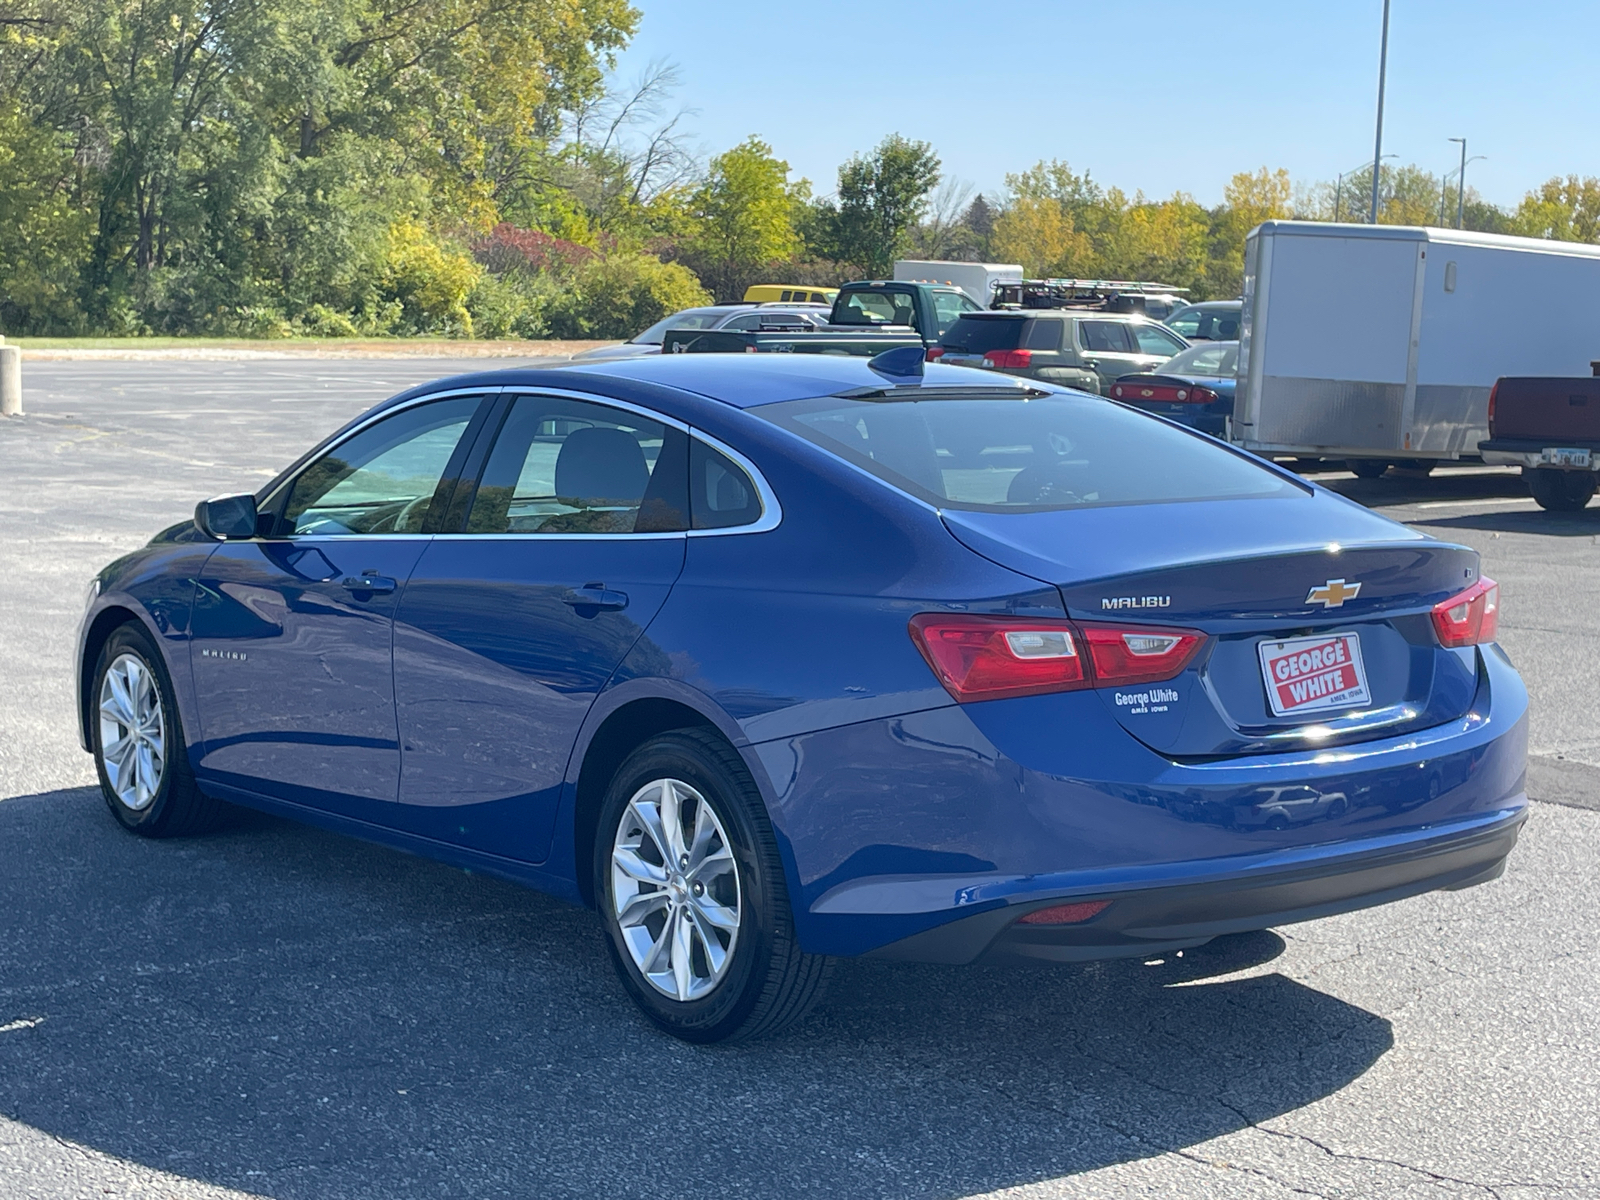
(1155, 340)
(383, 479)
(569, 466)
(1106, 337)
(1024, 455)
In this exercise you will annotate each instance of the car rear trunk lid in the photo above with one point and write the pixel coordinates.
(1272, 600)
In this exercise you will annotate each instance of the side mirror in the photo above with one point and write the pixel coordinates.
(226, 516)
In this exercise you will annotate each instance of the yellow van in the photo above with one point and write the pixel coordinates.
(788, 293)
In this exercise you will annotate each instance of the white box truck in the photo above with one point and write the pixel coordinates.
(1379, 343)
(975, 279)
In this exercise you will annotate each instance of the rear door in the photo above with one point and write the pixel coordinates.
(513, 621)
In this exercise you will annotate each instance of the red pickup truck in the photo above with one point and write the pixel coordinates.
(1550, 427)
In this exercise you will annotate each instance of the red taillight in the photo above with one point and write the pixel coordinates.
(1116, 389)
(935, 353)
(1494, 394)
(1203, 395)
(1127, 654)
(1471, 618)
(989, 658)
(1065, 914)
(985, 658)
(1008, 358)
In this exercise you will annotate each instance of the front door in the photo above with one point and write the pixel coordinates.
(1109, 349)
(292, 646)
(510, 627)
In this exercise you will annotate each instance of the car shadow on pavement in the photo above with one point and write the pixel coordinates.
(1584, 523)
(289, 1013)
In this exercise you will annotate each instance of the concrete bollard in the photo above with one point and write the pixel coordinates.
(10, 381)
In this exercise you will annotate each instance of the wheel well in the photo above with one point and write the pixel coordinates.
(624, 730)
(94, 641)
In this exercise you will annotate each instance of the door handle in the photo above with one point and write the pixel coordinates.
(368, 583)
(596, 596)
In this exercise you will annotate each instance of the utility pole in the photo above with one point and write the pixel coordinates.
(1377, 148)
(1461, 182)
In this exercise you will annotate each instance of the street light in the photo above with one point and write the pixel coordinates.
(1377, 145)
(1338, 187)
(1461, 182)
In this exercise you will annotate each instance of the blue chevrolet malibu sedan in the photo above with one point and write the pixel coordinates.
(771, 659)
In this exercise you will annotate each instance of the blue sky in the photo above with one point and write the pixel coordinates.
(1146, 94)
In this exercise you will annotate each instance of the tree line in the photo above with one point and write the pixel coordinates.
(471, 168)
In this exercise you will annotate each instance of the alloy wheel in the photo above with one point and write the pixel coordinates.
(133, 731)
(675, 889)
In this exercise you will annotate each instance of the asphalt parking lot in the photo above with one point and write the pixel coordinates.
(277, 1011)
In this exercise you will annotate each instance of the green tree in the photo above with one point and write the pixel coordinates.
(1565, 209)
(881, 199)
(744, 218)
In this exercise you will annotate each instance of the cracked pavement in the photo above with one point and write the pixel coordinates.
(277, 1011)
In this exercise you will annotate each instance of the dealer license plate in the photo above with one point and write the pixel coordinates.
(1314, 674)
(1562, 456)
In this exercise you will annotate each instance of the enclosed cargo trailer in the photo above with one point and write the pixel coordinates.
(976, 279)
(1381, 342)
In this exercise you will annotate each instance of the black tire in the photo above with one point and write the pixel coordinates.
(1560, 491)
(768, 982)
(178, 808)
(1423, 466)
(1367, 468)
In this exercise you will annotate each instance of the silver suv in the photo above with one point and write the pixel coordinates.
(1074, 348)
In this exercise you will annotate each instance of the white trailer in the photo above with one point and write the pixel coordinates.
(1381, 342)
(975, 279)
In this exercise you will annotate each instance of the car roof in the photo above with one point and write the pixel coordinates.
(739, 380)
(1088, 314)
(1216, 304)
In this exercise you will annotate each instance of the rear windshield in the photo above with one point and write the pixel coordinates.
(979, 335)
(996, 454)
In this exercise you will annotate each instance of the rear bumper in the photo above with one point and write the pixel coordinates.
(1520, 452)
(1174, 917)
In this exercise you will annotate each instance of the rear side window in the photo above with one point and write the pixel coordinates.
(567, 466)
(721, 494)
(979, 335)
(1043, 334)
(877, 307)
(1025, 455)
(1108, 337)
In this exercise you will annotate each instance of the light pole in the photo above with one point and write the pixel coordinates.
(1461, 181)
(1338, 187)
(1377, 145)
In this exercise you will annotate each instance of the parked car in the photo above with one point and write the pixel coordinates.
(1083, 349)
(785, 293)
(768, 662)
(1550, 427)
(738, 317)
(1194, 387)
(1207, 321)
(868, 317)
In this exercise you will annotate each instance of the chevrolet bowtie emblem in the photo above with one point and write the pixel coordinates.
(1333, 594)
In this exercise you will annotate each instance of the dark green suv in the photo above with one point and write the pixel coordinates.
(1072, 347)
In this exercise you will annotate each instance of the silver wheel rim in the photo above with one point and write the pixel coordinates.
(675, 889)
(133, 731)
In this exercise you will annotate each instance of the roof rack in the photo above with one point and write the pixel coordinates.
(1111, 295)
